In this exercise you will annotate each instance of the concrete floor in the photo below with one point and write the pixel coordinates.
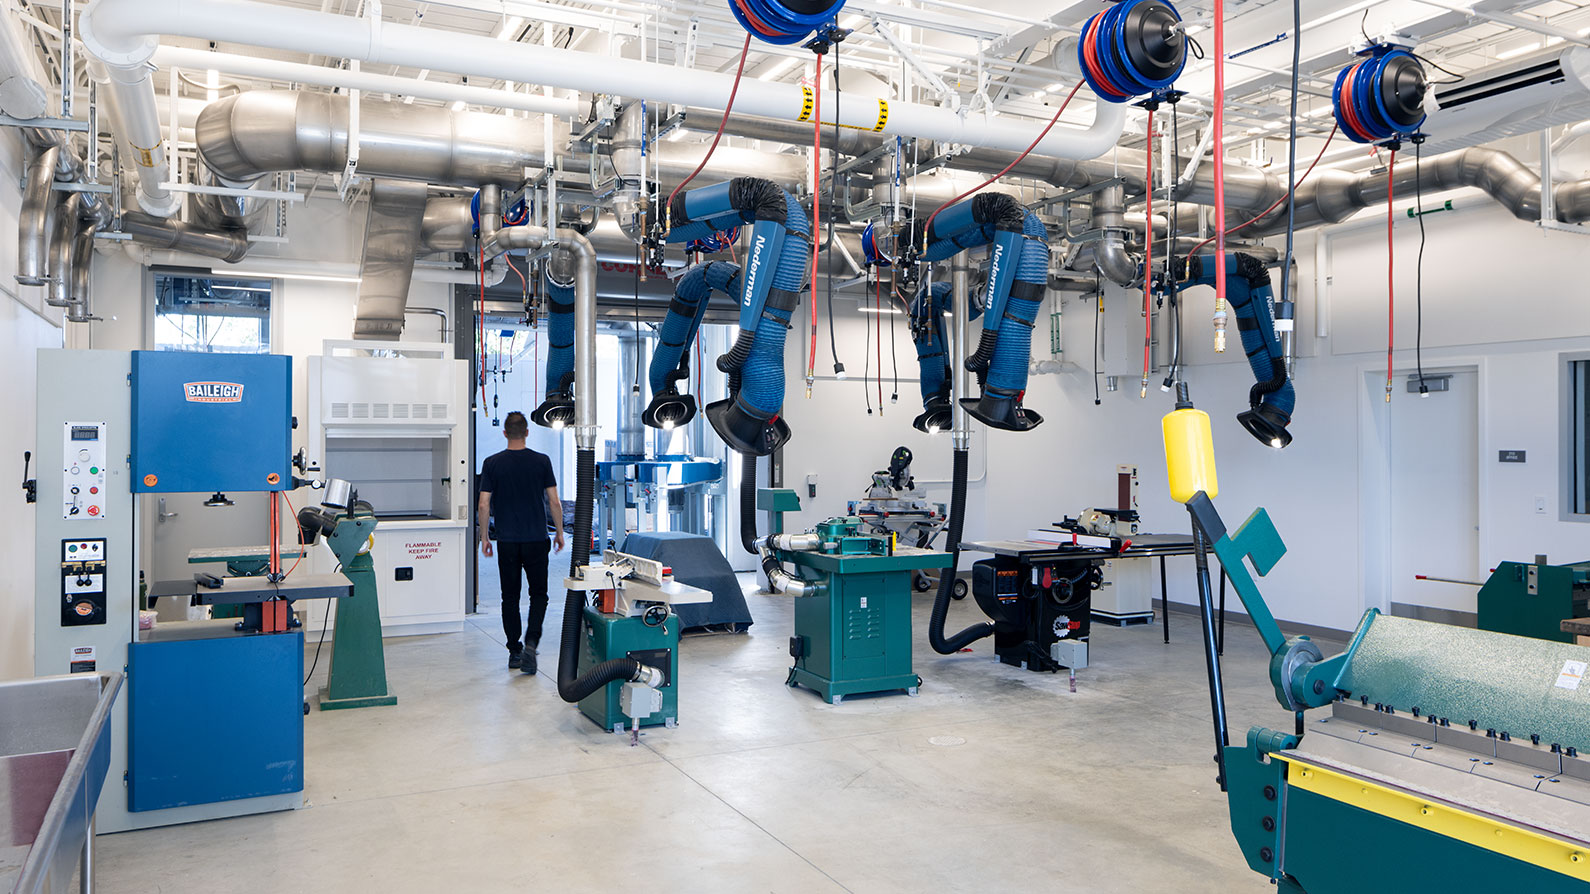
(994, 779)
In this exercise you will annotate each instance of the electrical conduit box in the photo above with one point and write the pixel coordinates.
(211, 422)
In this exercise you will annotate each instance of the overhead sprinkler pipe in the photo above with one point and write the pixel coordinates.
(774, 272)
(1018, 274)
(670, 361)
(1271, 400)
(127, 33)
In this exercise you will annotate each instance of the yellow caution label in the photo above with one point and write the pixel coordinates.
(1488, 833)
(877, 126)
(146, 157)
(808, 102)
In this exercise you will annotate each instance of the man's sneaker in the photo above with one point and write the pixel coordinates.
(528, 661)
(516, 659)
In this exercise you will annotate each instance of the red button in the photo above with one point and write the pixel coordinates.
(93, 490)
(93, 510)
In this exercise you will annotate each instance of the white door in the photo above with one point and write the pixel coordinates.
(1433, 522)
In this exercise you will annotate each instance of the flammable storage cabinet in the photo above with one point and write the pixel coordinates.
(211, 724)
(853, 614)
(390, 418)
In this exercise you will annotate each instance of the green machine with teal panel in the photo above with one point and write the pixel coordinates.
(1533, 599)
(853, 601)
(1424, 757)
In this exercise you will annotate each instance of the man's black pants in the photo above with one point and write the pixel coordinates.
(531, 558)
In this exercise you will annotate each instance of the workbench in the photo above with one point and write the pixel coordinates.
(1579, 627)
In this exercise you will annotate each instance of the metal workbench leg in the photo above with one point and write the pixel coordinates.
(1164, 600)
(85, 876)
(1220, 640)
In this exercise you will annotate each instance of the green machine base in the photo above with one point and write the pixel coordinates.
(615, 636)
(357, 678)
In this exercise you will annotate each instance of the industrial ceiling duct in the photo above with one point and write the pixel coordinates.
(391, 240)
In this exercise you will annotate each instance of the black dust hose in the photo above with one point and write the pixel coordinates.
(748, 502)
(941, 603)
(570, 687)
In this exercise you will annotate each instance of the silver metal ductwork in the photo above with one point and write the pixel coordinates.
(164, 233)
(244, 137)
(63, 239)
(391, 240)
(35, 219)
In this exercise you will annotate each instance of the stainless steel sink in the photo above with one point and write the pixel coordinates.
(54, 753)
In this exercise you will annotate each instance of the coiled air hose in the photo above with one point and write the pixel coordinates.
(1380, 98)
(941, 602)
(784, 21)
(571, 687)
(1132, 48)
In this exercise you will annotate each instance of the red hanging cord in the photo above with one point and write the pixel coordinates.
(1391, 265)
(733, 91)
(1273, 205)
(1050, 126)
(817, 189)
(877, 311)
(1219, 125)
(1148, 259)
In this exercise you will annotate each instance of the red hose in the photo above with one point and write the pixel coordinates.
(1024, 153)
(1148, 258)
(1219, 125)
(1391, 264)
(733, 91)
(1273, 205)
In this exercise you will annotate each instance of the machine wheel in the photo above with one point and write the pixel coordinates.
(958, 589)
(921, 582)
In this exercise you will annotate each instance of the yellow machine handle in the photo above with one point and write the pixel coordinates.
(1189, 454)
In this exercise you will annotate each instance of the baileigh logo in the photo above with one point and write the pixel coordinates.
(213, 392)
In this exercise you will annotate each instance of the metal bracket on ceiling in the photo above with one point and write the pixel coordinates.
(937, 83)
(348, 177)
(1548, 192)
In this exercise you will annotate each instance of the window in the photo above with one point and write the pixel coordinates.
(1576, 431)
(212, 314)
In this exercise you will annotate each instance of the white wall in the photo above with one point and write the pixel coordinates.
(1499, 294)
(26, 325)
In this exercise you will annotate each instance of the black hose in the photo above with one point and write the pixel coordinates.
(941, 603)
(748, 502)
(572, 688)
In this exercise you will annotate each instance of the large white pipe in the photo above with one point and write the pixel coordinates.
(126, 33)
(132, 101)
(298, 72)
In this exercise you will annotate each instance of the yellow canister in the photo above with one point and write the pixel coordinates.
(1189, 454)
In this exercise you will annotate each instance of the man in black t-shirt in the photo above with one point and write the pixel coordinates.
(516, 486)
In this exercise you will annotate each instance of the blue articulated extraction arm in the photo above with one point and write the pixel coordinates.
(932, 355)
(770, 283)
(557, 410)
(670, 362)
(1271, 399)
(1018, 274)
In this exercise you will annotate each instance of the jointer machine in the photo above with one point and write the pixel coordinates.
(1424, 757)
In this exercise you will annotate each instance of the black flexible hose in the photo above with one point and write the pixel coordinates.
(572, 688)
(941, 603)
(748, 502)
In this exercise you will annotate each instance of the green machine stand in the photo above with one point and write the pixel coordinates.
(609, 636)
(853, 621)
(1534, 599)
(358, 660)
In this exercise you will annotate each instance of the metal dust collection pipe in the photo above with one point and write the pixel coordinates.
(35, 220)
(82, 265)
(63, 238)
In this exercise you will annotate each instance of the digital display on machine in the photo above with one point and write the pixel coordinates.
(85, 433)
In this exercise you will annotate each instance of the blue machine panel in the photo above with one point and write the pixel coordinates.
(214, 720)
(211, 422)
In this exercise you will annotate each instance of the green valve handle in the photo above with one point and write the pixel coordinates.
(1444, 206)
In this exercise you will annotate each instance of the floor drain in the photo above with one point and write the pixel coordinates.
(947, 741)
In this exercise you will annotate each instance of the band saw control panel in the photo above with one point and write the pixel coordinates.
(82, 582)
(83, 471)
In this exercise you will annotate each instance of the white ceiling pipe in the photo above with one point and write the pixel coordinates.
(126, 33)
(321, 76)
(132, 104)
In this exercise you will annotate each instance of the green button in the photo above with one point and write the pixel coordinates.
(72, 548)
(93, 470)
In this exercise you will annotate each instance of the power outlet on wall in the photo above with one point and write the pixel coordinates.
(1540, 505)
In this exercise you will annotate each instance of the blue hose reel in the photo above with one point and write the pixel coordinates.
(1134, 48)
(784, 21)
(1380, 98)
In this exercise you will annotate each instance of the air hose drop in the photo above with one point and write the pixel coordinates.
(571, 687)
(1018, 274)
(773, 274)
(932, 355)
(784, 21)
(557, 410)
(1271, 399)
(1380, 98)
(670, 362)
(1131, 49)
